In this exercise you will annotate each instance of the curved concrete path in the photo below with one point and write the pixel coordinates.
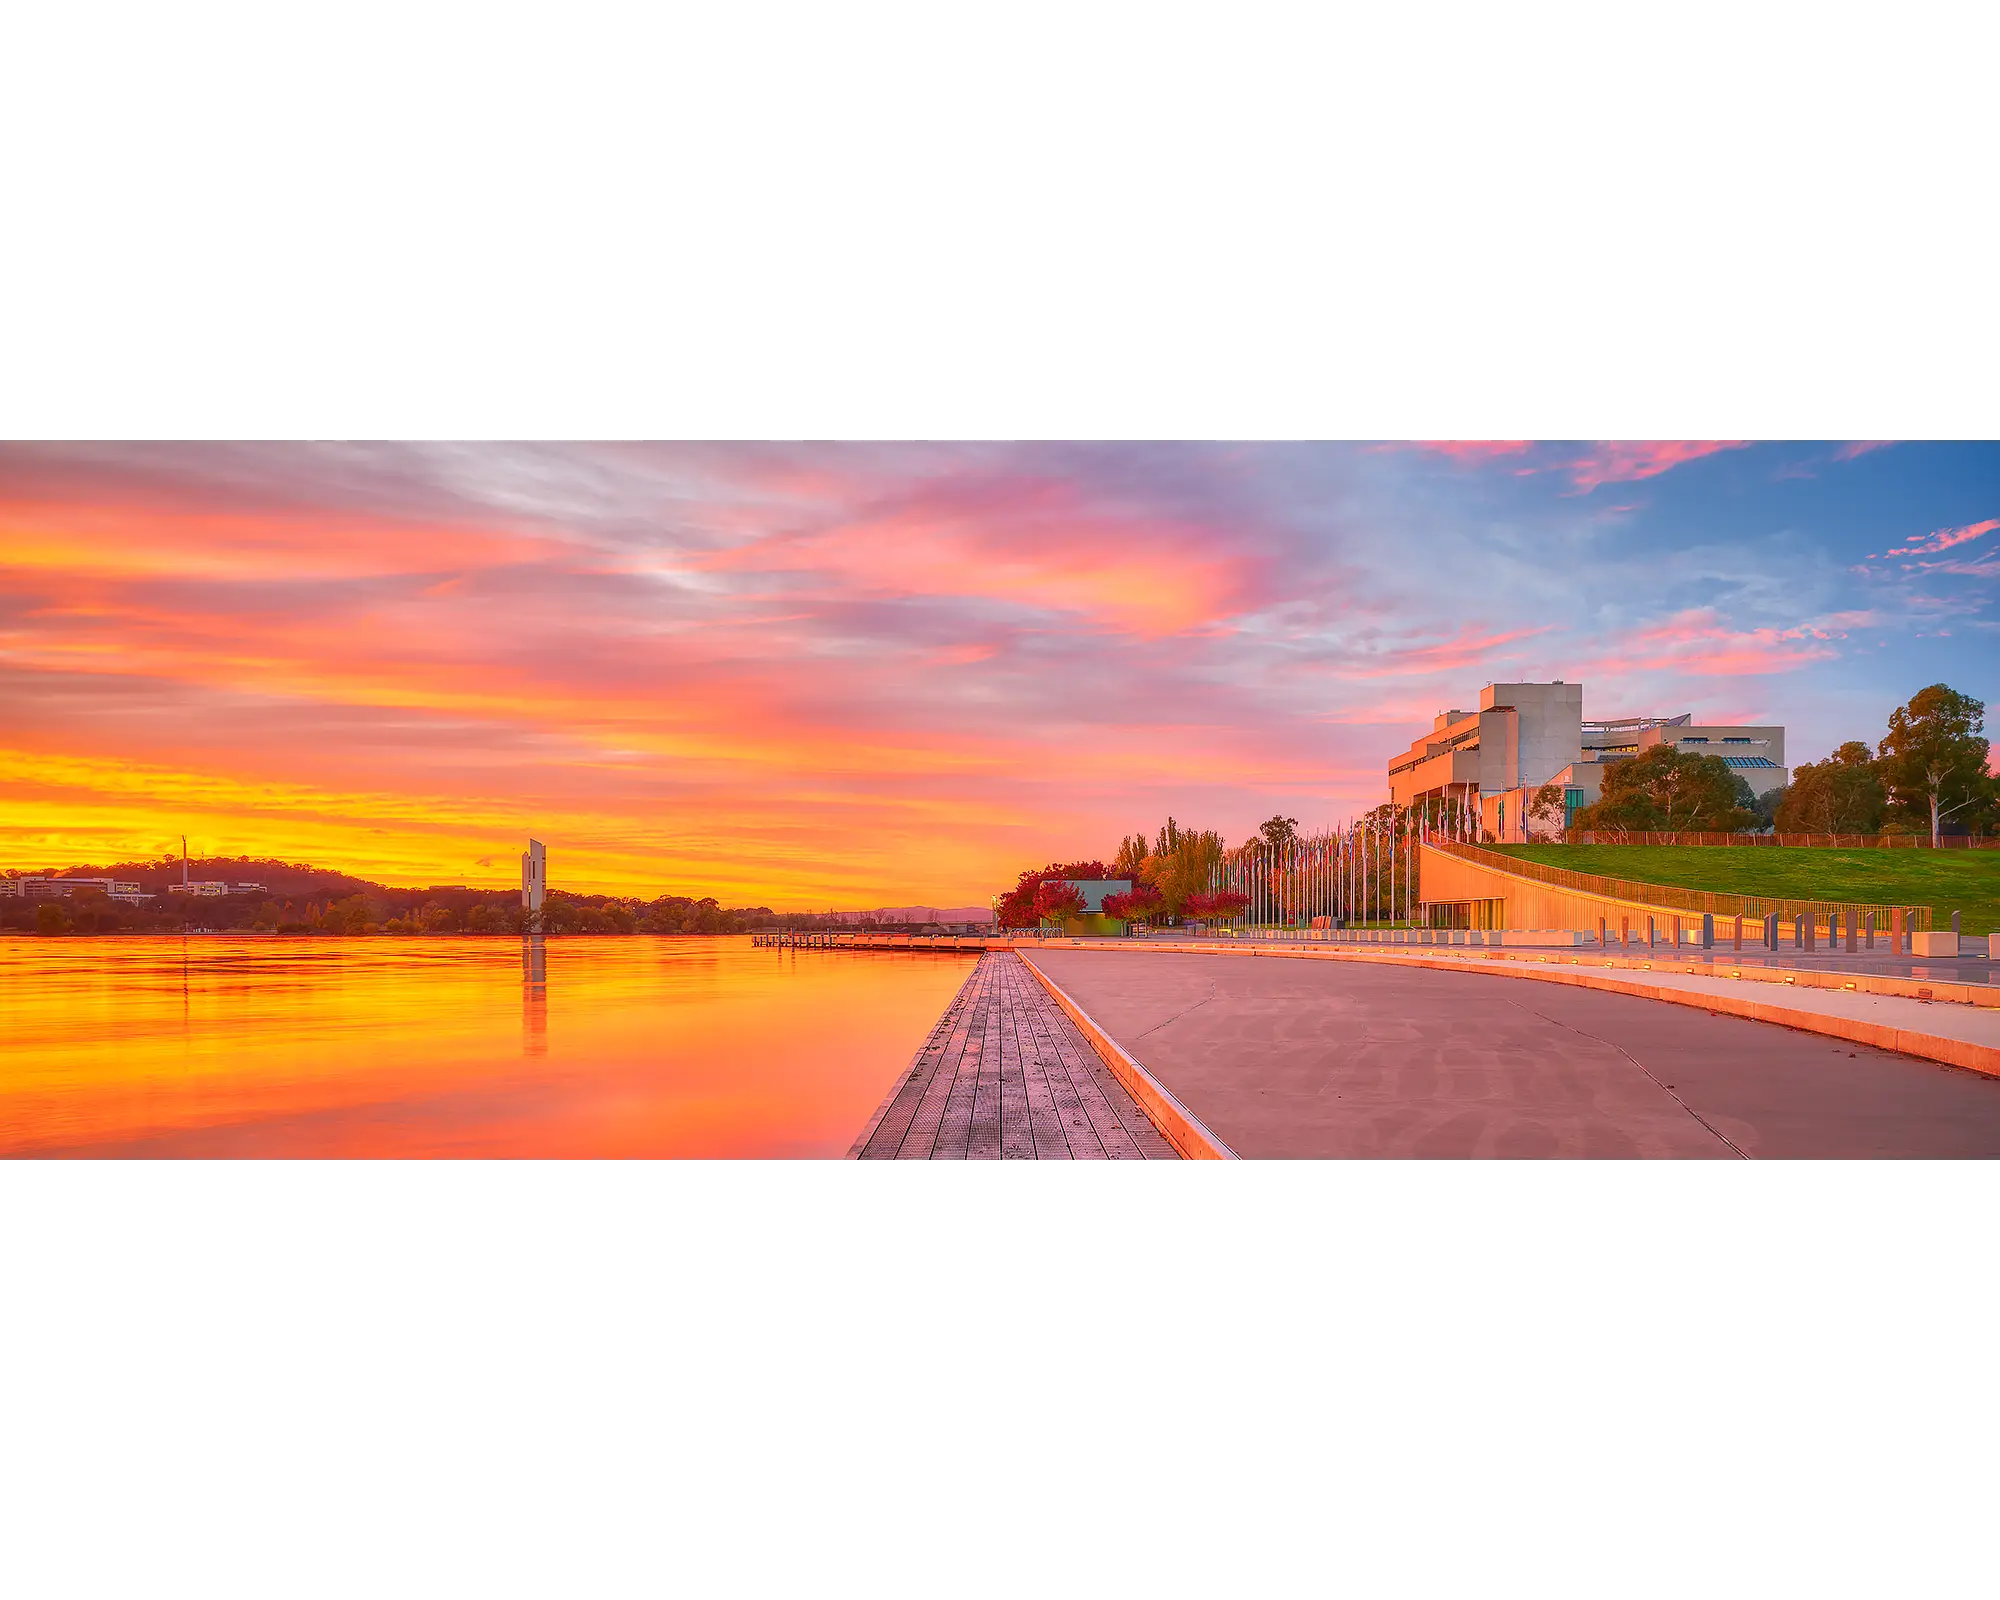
(1350, 1059)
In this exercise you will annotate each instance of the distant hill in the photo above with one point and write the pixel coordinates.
(916, 914)
(281, 879)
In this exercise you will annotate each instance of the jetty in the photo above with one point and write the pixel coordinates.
(1007, 1075)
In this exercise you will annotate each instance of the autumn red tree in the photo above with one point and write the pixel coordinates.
(1138, 904)
(1055, 899)
(1223, 906)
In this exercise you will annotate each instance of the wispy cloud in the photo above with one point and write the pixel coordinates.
(866, 674)
(1605, 461)
(1700, 643)
(1942, 539)
(1860, 447)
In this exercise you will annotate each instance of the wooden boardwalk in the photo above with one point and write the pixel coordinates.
(1005, 1076)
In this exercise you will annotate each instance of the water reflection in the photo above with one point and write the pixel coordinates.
(222, 1046)
(535, 995)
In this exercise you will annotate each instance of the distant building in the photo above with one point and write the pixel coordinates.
(213, 888)
(42, 888)
(1525, 735)
(1094, 890)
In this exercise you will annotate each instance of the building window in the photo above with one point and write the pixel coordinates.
(1694, 741)
(1733, 740)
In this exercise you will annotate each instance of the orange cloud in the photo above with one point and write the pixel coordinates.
(1149, 576)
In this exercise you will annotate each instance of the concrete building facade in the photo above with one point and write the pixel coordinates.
(1526, 735)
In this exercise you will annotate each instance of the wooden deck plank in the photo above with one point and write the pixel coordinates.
(955, 1127)
(1004, 1074)
(983, 1131)
(922, 1136)
(888, 1139)
(1017, 1130)
(1094, 1092)
(1072, 1124)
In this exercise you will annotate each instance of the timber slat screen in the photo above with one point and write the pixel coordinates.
(1670, 898)
(1006, 1076)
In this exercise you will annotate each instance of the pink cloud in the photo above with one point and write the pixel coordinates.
(1468, 648)
(1475, 449)
(1608, 460)
(1624, 461)
(1697, 642)
(1024, 540)
(1943, 539)
(1860, 447)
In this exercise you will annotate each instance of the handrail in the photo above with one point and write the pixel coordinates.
(1670, 897)
(1789, 841)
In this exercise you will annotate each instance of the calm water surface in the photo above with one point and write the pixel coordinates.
(214, 1046)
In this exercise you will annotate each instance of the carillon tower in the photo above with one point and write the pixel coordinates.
(534, 879)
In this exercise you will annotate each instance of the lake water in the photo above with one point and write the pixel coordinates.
(213, 1046)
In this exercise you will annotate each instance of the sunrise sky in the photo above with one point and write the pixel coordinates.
(852, 675)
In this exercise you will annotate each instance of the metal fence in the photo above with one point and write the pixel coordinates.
(1790, 841)
(1696, 901)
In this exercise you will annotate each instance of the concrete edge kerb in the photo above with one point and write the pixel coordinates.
(1930, 1046)
(1179, 1126)
(895, 1088)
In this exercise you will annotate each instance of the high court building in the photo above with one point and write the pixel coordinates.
(1525, 735)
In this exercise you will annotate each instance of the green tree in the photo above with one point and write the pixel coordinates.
(1186, 869)
(1130, 858)
(1667, 789)
(1762, 807)
(1542, 820)
(1279, 833)
(1842, 794)
(50, 918)
(347, 916)
(1933, 759)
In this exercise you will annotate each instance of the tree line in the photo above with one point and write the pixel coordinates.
(313, 900)
(1927, 774)
(1174, 874)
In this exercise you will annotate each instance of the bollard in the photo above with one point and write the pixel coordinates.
(1954, 933)
(1833, 930)
(1739, 930)
(1812, 932)
(1652, 933)
(1896, 929)
(1707, 930)
(1871, 930)
(1852, 918)
(1625, 931)
(1603, 937)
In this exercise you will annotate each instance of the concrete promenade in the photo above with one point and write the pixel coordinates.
(1390, 1055)
(1005, 1075)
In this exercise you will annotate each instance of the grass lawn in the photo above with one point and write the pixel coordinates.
(1965, 881)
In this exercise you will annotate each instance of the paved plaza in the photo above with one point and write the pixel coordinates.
(1373, 1059)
